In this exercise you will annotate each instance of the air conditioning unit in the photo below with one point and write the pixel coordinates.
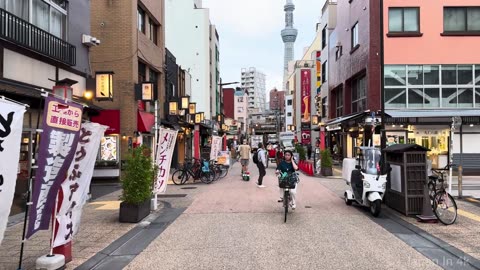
(90, 41)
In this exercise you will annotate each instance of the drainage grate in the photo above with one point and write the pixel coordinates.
(188, 188)
(172, 196)
(308, 206)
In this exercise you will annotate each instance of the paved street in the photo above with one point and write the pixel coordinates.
(233, 224)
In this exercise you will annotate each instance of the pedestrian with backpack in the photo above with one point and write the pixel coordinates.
(260, 158)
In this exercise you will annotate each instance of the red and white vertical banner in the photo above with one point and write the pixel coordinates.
(75, 187)
(11, 123)
(216, 147)
(61, 128)
(165, 147)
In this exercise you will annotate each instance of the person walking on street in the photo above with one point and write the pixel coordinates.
(244, 150)
(261, 164)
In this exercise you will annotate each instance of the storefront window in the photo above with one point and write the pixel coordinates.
(415, 75)
(431, 75)
(427, 89)
(477, 74)
(432, 97)
(395, 98)
(449, 97)
(108, 148)
(415, 97)
(449, 75)
(465, 74)
(395, 75)
(465, 97)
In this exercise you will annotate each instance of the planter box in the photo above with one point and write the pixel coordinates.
(326, 171)
(132, 213)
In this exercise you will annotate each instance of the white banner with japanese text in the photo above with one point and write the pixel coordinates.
(216, 147)
(75, 188)
(11, 123)
(166, 144)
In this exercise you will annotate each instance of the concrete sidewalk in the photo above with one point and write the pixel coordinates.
(464, 234)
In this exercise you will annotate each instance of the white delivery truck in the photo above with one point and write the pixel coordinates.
(286, 140)
(255, 140)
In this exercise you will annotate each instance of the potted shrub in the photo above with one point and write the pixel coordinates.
(301, 152)
(137, 186)
(326, 163)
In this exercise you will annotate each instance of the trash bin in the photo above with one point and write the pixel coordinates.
(407, 178)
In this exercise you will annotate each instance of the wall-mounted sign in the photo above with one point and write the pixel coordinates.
(104, 85)
(147, 91)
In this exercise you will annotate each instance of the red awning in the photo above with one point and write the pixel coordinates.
(110, 118)
(145, 122)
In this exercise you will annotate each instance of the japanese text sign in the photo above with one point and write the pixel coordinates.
(11, 123)
(166, 144)
(75, 187)
(55, 154)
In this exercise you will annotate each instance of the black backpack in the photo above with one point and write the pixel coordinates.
(255, 157)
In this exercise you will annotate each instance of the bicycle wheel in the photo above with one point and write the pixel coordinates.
(445, 208)
(207, 177)
(286, 199)
(224, 171)
(179, 176)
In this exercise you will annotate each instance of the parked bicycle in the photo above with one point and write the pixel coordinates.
(443, 204)
(195, 168)
(220, 170)
(287, 181)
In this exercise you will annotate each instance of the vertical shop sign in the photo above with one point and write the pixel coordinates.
(75, 187)
(216, 147)
(61, 126)
(306, 88)
(165, 147)
(11, 122)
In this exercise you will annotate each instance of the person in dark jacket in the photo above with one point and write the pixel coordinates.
(288, 165)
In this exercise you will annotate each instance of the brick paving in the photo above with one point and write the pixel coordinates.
(99, 228)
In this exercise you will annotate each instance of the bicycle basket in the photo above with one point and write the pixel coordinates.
(206, 167)
(287, 181)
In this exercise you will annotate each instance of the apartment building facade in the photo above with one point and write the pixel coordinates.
(353, 75)
(431, 75)
(133, 48)
(253, 81)
(28, 65)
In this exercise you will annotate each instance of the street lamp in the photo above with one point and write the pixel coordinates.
(220, 118)
(185, 102)
(173, 107)
(192, 108)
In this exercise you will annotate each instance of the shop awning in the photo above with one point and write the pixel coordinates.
(169, 124)
(341, 119)
(145, 122)
(432, 113)
(110, 118)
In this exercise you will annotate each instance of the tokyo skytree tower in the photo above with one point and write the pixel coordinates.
(289, 35)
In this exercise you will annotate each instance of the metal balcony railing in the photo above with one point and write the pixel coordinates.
(22, 33)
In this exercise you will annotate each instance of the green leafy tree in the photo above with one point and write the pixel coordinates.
(138, 177)
(326, 159)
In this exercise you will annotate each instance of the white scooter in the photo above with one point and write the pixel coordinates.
(367, 185)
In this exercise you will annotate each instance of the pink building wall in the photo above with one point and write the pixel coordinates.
(431, 48)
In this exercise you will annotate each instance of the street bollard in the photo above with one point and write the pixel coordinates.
(460, 181)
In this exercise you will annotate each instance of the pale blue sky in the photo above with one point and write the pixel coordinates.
(250, 35)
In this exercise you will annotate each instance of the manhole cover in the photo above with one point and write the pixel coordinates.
(307, 206)
(172, 196)
(188, 188)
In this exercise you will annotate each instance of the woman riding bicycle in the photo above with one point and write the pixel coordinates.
(289, 166)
